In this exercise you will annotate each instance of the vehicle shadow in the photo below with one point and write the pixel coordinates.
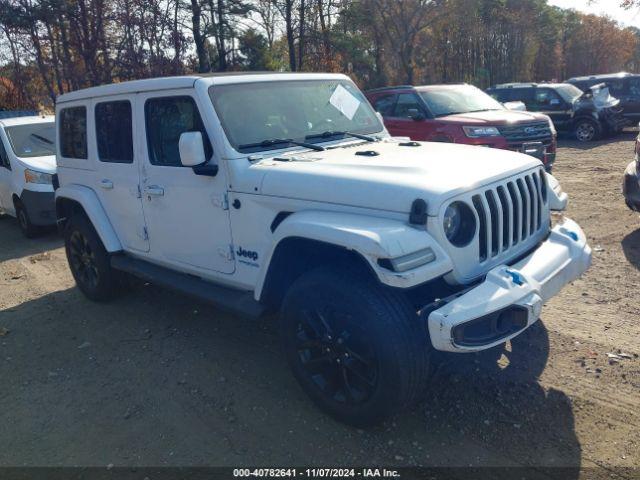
(567, 141)
(494, 398)
(154, 378)
(631, 248)
(14, 245)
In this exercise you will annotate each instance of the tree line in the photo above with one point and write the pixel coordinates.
(48, 47)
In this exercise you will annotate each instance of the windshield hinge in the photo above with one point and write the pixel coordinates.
(227, 253)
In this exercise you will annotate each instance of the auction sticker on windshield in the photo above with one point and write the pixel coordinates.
(344, 101)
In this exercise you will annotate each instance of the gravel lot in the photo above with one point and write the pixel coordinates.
(155, 379)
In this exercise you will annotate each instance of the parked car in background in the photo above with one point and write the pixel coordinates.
(463, 114)
(631, 180)
(27, 166)
(284, 193)
(587, 115)
(623, 86)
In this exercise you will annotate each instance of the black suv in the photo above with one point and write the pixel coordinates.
(584, 114)
(624, 86)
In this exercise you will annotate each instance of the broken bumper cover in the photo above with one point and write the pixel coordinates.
(510, 298)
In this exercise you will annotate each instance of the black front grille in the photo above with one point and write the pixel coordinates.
(528, 132)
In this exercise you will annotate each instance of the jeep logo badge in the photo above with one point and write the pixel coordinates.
(241, 252)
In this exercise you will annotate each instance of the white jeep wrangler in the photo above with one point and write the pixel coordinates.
(284, 193)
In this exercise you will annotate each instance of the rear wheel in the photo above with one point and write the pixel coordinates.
(88, 260)
(587, 130)
(355, 347)
(28, 229)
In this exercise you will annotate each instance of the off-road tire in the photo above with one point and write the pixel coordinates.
(587, 130)
(373, 318)
(28, 229)
(88, 260)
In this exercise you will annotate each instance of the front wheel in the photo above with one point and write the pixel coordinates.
(587, 130)
(355, 347)
(28, 229)
(88, 260)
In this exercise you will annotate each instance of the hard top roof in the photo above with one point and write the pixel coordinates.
(24, 120)
(188, 81)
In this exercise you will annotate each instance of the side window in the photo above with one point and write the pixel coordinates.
(406, 102)
(384, 105)
(547, 99)
(4, 158)
(634, 86)
(616, 86)
(73, 132)
(166, 119)
(114, 131)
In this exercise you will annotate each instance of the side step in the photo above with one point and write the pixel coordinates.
(233, 301)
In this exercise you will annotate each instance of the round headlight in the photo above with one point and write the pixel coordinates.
(459, 224)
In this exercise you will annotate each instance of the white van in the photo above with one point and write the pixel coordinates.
(27, 167)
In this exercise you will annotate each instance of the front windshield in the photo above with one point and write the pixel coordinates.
(253, 115)
(459, 99)
(568, 92)
(33, 140)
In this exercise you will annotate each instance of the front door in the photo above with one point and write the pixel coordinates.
(187, 215)
(118, 169)
(549, 102)
(401, 121)
(6, 189)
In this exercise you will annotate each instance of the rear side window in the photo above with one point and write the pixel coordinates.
(73, 132)
(166, 119)
(114, 132)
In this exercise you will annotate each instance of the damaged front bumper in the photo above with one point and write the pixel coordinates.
(510, 298)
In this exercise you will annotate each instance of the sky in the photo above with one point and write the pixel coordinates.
(603, 7)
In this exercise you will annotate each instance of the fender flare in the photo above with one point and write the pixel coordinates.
(372, 238)
(90, 203)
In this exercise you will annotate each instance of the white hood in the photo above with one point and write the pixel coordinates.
(46, 164)
(392, 180)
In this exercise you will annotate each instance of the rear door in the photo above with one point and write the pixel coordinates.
(631, 101)
(118, 168)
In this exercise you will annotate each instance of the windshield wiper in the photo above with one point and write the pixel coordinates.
(343, 133)
(277, 141)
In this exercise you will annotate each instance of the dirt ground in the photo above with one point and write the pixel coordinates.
(155, 379)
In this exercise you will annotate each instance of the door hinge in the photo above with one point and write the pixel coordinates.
(220, 201)
(144, 233)
(139, 194)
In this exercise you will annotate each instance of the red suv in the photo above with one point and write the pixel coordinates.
(463, 114)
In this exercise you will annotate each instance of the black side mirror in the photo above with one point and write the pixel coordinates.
(415, 114)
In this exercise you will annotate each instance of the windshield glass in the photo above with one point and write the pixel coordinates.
(32, 140)
(298, 110)
(568, 92)
(460, 99)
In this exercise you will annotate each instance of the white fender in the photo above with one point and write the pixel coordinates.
(557, 198)
(372, 237)
(88, 199)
